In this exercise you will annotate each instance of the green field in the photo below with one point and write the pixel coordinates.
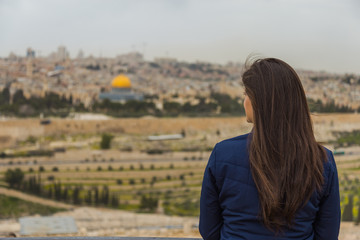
(169, 187)
(11, 207)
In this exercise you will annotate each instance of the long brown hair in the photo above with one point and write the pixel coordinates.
(286, 161)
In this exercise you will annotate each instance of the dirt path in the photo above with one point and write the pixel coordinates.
(30, 198)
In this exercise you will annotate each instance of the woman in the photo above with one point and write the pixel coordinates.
(276, 182)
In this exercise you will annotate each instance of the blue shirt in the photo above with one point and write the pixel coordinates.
(229, 203)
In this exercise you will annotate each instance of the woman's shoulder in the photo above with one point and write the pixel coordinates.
(232, 146)
(329, 162)
(330, 171)
(235, 140)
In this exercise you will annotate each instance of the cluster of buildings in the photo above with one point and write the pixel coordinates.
(131, 77)
(329, 87)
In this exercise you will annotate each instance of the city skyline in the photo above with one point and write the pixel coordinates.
(315, 35)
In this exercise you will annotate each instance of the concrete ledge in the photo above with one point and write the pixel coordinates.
(99, 238)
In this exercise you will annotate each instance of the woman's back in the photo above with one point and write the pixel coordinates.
(277, 182)
(230, 202)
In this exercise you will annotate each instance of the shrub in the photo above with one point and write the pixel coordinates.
(106, 141)
(148, 203)
(14, 177)
(154, 178)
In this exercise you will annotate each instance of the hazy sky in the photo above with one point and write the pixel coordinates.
(308, 34)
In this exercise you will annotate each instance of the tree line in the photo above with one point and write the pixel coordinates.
(78, 195)
(328, 107)
(53, 104)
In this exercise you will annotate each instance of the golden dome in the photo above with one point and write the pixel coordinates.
(121, 81)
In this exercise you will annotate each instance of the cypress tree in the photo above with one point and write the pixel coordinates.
(57, 189)
(115, 200)
(38, 185)
(348, 214)
(357, 222)
(88, 198)
(105, 196)
(65, 194)
(76, 195)
(50, 192)
(96, 197)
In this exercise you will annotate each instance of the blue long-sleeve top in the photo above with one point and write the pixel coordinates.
(229, 203)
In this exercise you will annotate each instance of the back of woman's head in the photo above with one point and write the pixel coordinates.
(286, 161)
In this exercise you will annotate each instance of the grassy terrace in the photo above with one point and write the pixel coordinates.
(172, 187)
(11, 207)
(166, 186)
(349, 183)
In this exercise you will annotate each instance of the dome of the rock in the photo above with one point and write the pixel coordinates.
(121, 81)
(121, 91)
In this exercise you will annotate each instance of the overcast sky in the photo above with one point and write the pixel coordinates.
(308, 34)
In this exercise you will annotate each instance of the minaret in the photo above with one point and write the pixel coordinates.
(29, 68)
(30, 55)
